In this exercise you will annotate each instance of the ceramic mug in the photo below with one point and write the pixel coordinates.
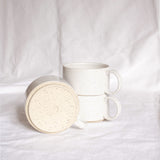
(90, 78)
(52, 105)
(96, 108)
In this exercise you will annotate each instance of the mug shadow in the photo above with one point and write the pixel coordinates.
(21, 116)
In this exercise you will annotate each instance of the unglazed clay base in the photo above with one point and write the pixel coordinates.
(52, 107)
(95, 121)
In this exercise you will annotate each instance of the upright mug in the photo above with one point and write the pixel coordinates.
(90, 78)
(96, 108)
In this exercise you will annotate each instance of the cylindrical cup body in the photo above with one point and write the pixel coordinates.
(92, 108)
(87, 78)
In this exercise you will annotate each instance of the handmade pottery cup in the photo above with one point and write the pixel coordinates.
(96, 108)
(90, 78)
(52, 105)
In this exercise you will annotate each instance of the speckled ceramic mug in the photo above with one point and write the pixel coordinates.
(96, 108)
(90, 78)
(52, 105)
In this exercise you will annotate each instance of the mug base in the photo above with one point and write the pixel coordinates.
(95, 121)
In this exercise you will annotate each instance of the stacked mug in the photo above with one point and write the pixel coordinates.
(91, 82)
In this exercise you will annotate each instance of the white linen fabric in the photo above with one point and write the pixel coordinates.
(37, 37)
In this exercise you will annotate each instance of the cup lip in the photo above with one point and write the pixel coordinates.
(98, 64)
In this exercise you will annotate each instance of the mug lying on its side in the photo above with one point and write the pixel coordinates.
(52, 105)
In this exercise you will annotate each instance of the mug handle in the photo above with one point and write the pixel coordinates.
(115, 73)
(118, 105)
(79, 124)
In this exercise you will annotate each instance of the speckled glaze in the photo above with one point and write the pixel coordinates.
(90, 79)
(52, 105)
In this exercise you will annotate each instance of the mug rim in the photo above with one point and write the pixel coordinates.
(89, 66)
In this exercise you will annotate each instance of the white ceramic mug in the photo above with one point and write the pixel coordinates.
(96, 108)
(90, 78)
(52, 105)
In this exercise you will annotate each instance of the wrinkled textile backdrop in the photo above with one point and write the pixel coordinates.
(37, 37)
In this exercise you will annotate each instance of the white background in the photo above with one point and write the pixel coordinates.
(38, 36)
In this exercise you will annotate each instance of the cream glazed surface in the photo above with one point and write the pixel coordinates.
(51, 106)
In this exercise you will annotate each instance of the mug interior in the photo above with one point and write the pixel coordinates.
(86, 66)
